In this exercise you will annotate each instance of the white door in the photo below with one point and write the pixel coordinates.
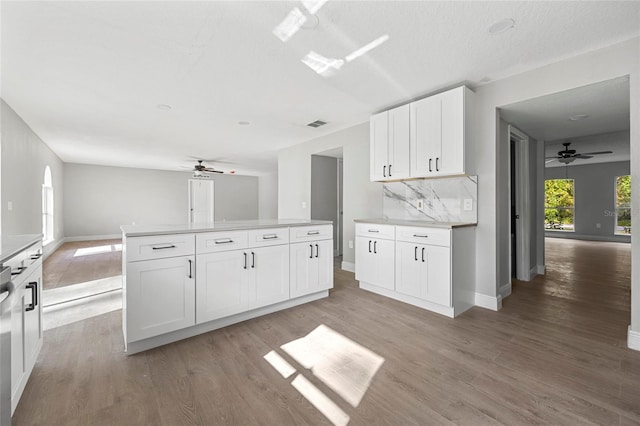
(200, 201)
(163, 294)
(378, 128)
(222, 284)
(451, 161)
(426, 130)
(269, 268)
(399, 143)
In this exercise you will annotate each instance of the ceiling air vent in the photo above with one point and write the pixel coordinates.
(317, 123)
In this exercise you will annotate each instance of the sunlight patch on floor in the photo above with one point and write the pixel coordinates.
(80, 309)
(67, 293)
(87, 251)
(343, 365)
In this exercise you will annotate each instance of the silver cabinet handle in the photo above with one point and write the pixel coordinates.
(270, 237)
(227, 241)
(313, 233)
(421, 235)
(163, 247)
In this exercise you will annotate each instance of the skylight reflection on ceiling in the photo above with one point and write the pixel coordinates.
(367, 47)
(290, 24)
(313, 5)
(321, 65)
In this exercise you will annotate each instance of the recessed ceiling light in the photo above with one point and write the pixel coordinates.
(502, 26)
(164, 107)
(578, 117)
(244, 123)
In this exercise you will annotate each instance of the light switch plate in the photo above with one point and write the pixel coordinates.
(304, 204)
(10, 205)
(350, 243)
(468, 204)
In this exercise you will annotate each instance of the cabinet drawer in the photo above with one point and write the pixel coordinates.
(433, 236)
(268, 237)
(158, 247)
(310, 233)
(213, 242)
(374, 230)
(33, 254)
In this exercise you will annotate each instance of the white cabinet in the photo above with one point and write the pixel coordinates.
(375, 261)
(311, 267)
(389, 138)
(160, 296)
(234, 281)
(440, 133)
(423, 271)
(26, 318)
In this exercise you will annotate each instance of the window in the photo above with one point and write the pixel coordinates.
(47, 207)
(559, 205)
(623, 205)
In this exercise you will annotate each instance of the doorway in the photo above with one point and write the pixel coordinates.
(520, 203)
(201, 201)
(326, 192)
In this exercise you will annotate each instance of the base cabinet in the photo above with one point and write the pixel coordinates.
(269, 280)
(311, 267)
(375, 261)
(423, 271)
(160, 296)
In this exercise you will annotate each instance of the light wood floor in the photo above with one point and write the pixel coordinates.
(555, 354)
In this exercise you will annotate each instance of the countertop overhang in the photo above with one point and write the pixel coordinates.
(417, 223)
(14, 244)
(238, 225)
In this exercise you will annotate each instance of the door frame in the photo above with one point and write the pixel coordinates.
(190, 194)
(522, 203)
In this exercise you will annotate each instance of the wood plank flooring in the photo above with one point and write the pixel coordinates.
(555, 354)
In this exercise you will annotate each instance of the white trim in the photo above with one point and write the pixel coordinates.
(48, 249)
(488, 302)
(93, 237)
(505, 290)
(541, 269)
(633, 339)
(573, 236)
(533, 272)
(348, 266)
(424, 304)
(523, 204)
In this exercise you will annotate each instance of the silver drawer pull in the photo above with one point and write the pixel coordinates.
(313, 233)
(421, 235)
(270, 237)
(163, 247)
(227, 241)
(373, 230)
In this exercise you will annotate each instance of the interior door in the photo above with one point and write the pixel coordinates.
(200, 201)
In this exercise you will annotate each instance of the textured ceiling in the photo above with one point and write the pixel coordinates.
(88, 76)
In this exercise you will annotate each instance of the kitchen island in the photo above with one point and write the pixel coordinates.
(184, 280)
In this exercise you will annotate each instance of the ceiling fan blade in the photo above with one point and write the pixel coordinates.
(210, 170)
(582, 156)
(554, 157)
(597, 153)
(549, 161)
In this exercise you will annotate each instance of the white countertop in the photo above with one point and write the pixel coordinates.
(418, 223)
(146, 230)
(14, 244)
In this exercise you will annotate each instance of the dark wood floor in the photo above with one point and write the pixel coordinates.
(555, 354)
(70, 265)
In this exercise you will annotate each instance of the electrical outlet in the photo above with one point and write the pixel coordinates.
(304, 204)
(598, 225)
(420, 205)
(10, 205)
(350, 243)
(468, 204)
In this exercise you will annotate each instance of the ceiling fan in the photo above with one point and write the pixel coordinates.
(200, 168)
(567, 155)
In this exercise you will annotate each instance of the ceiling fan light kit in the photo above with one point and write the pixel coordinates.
(567, 155)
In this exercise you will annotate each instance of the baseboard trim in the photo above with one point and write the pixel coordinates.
(424, 304)
(505, 290)
(633, 339)
(540, 269)
(93, 237)
(489, 302)
(572, 236)
(348, 266)
(50, 248)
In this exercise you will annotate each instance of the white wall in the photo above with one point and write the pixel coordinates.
(594, 197)
(596, 66)
(100, 199)
(362, 198)
(24, 158)
(268, 196)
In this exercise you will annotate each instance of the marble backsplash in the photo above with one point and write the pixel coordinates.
(443, 199)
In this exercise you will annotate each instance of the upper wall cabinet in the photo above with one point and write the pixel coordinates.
(390, 136)
(440, 131)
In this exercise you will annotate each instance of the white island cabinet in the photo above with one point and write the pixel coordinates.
(430, 265)
(187, 280)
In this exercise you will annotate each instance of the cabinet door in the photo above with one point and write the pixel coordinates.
(411, 272)
(375, 262)
(160, 296)
(379, 140)
(399, 142)
(33, 318)
(452, 158)
(222, 284)
(426, 132)
(269, 282)
(18, 364)
(311, 267)
(438, 282)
